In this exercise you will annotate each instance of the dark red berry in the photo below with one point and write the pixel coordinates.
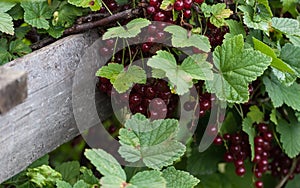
(240, 171)
(178, 5)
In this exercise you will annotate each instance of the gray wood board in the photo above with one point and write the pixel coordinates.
(13, 88)
(45, 119)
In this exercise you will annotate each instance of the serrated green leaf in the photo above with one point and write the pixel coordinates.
(56, 31)
(81, 184)
(181, 38)
(295, 40)
(37, 13)
(291, 55)
(16, 12)
(167, 4)
(258, 22)
(63, 184)
(181, 76)
(110, 71)
(236, 27)
(6, 23)
(126, 79)
(19, 48)
(276, 62)
(219, 13)
(20, 32)
(43, 176)
(96, 5)
(112, 182)
(6, 5)
(106, 164)
(177, 178)
(66, 15)
(286, 25)
(280, 93)
(5, 56)
(122, 80)
(151, 142)
(255, 114)
(132, 29)
(69, 171)
(88, 176)
(289, 135)
(148, 179)
(237, 68)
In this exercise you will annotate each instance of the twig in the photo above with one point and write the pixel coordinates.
(91, 17)
(285, 178)
(42, 43)
(113, 18)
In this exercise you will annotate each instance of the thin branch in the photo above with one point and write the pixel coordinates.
(41, 43)
(130, 13)
(285, 178)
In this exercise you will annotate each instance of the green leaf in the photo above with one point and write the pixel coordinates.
(295, 40)
(126, 79)
(237, 68)
(37, 13)
(291, 55)
(16, 12)
(250, 130)
(167, 4)
(181, 38)
(56, 31)
(112, 182)
(219, 13)
(66, 15)
(280, 93)
(181, 76)
(5, 56)
(43, 176)
(294, 183)
(216, 180)
(286, 25)
(236, 27)
(253, 20)
(69, 171)
(177, 178)
(6, 5)
(148, 179)
(94, 5)
(122, 80)
(289, 135)
(273, 117)
(105, 163)
(6, 23)
(20, 32)
(41, 161)
(122, 2)
(19, 48)
(153, 143)
(276, 62)
(200, 163)
(110, 71)
(253, 116)
(132, 29)
(81, 184)
(63, 184)
(88, 176)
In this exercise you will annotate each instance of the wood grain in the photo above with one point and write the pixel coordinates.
(13, 88)
(45, 120)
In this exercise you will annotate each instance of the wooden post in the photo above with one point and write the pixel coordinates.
(13, 88)
(45, 119)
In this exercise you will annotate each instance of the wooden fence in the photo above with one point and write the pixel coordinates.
(44, 120)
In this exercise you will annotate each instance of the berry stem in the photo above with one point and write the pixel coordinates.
(285, 178)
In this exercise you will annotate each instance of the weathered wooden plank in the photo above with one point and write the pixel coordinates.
(13, 88)
(45, 120)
